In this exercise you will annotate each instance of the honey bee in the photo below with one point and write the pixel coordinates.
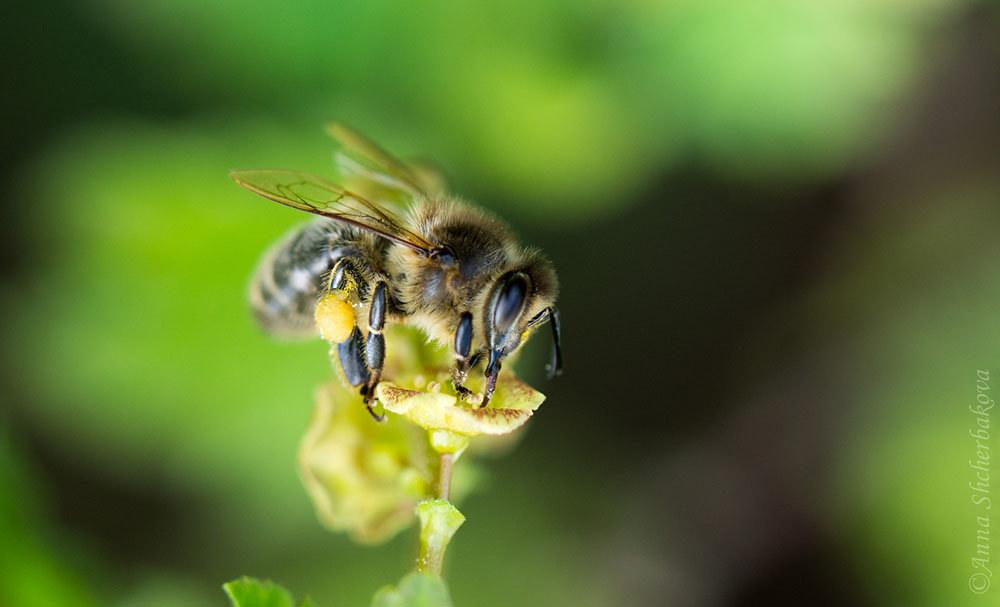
(410, 255)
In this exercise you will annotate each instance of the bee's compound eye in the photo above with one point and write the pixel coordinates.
(509, 304)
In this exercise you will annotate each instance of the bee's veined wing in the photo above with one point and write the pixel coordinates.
(361, 156)
(314, 194)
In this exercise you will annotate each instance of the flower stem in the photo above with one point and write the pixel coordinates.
(444, 480)
(438, 518)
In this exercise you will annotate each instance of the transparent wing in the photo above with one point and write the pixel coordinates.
(323, 197)
(430, 173)
(360, 156)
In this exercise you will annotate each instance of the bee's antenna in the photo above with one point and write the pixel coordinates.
(555, 365)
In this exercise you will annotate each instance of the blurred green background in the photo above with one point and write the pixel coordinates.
(775, 225)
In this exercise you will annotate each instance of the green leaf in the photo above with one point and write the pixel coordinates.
(414, 590)
(251, 592)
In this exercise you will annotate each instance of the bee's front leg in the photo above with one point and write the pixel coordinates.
(463, 345)
(375, 345)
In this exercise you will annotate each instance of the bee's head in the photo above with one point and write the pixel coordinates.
(519, 301)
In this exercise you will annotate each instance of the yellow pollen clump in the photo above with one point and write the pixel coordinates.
(335, 317)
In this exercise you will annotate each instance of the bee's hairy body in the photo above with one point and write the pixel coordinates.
(417, 256)
(424, 292)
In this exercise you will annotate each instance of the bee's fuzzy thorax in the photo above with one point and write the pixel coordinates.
(435, 294)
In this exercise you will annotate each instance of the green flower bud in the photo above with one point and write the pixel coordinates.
(439, 520)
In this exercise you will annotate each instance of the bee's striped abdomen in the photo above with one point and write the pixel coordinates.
(291, 275)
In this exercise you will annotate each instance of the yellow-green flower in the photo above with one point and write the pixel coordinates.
(367, 477)
(512, 405)
(364, 477)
